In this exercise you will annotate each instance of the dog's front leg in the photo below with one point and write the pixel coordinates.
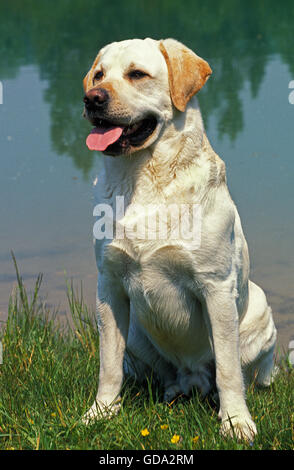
(113, 324)
(224, 325)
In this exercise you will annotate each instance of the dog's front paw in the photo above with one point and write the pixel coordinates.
(240, 426)
(100, 410)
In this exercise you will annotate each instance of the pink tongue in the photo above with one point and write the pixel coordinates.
(101, 138)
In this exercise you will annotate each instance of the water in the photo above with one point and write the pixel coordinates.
(47, 171)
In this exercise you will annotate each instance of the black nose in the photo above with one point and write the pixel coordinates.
(96, 97)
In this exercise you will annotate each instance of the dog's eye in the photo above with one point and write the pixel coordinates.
(98, 75)
(137, 74)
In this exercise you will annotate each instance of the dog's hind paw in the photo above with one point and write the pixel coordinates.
(171, 392)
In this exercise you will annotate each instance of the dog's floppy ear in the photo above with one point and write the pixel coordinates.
(187, 72)
(88, 80)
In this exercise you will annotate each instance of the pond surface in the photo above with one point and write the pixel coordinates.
(47, 172)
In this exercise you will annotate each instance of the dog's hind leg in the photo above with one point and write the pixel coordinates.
(265, 368)
(258, 339)
(142, 360)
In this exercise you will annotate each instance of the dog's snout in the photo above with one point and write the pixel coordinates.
(96, 97)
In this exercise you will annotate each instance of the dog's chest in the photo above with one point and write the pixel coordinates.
(162, 291)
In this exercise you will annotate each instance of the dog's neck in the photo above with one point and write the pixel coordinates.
(181, 156)
(178, 146)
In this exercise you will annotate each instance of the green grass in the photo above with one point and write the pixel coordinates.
(49, 376)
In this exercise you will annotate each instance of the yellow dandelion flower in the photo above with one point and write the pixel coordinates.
(175, 439)
(145, 432)
(164, 426)
(195, 439)
(53, 415)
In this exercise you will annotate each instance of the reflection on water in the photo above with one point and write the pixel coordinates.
(44, 54)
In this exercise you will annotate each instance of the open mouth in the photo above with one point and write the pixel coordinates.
(113, 138)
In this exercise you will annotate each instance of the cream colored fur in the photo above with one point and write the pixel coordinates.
(166, 306)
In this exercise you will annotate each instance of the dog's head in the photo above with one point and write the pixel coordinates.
(133, 88)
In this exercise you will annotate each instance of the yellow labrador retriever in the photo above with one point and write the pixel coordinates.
(176, 301)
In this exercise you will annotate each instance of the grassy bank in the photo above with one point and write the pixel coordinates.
(49, 376)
